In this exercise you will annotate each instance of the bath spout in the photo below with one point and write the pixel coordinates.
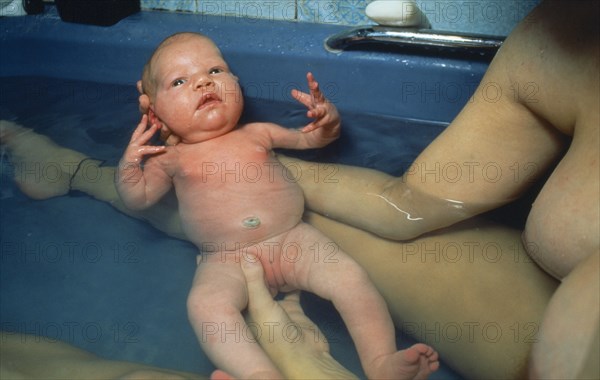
(420, 40)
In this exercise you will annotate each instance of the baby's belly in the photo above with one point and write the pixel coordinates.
(230, 218)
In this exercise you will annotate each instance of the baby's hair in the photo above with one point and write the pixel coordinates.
(148, 81)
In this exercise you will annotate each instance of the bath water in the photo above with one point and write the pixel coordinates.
(75, 269)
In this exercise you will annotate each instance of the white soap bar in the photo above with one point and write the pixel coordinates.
(397, 13)
(12, 8)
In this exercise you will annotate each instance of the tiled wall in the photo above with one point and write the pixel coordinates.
(475, 16)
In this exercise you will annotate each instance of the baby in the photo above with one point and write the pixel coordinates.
(238, 203)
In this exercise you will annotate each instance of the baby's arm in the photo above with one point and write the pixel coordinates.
(140, 187)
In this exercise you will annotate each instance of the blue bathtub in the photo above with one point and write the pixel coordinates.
(75, 269)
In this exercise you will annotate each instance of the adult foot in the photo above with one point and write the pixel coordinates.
(42, 169)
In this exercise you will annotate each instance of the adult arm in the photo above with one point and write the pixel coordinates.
(489, 155)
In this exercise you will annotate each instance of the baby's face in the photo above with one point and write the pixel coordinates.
(196, 95)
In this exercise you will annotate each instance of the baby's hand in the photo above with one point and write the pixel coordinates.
(319, 108)
(144, 105)
(137, 148)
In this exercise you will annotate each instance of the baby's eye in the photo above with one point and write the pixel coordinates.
(215, 70)
(177, 82)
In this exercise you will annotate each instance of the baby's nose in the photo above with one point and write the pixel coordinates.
(203, 81)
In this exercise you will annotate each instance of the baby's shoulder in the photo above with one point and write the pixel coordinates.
(259, 129)
(257, 125)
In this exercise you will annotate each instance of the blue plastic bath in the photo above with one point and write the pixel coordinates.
(74, 269)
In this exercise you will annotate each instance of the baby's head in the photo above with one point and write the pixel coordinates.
(149, 81)
(191, 88)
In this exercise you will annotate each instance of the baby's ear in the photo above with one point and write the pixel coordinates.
(144, 103)
(139, 87)
(153, 119)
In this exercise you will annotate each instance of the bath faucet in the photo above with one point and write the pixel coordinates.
(403, 25)
(420, 40)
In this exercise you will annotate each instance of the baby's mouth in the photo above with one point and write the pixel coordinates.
(208, 99)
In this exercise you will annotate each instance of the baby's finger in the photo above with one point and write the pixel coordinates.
(151, 149)
(309, 128)
(302, 97)
(317, 112)
(135, 154)
(146, 135)
(139, 130)
(315, 90)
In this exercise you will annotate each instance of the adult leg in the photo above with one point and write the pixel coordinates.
(470, 291)
(33, 357)
(44, 170)
(36, 171)
(164, 215)
(591, 365)
(569, 332)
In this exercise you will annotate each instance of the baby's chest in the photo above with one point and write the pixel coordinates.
(245, 163)
(237, 152)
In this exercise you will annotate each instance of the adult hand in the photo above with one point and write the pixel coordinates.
(293, 342)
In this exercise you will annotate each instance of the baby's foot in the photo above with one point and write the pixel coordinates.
(42, 169)
(265, 375)
(414, 363)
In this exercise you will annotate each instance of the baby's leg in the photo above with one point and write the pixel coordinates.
(216, 299)
(321, 267)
